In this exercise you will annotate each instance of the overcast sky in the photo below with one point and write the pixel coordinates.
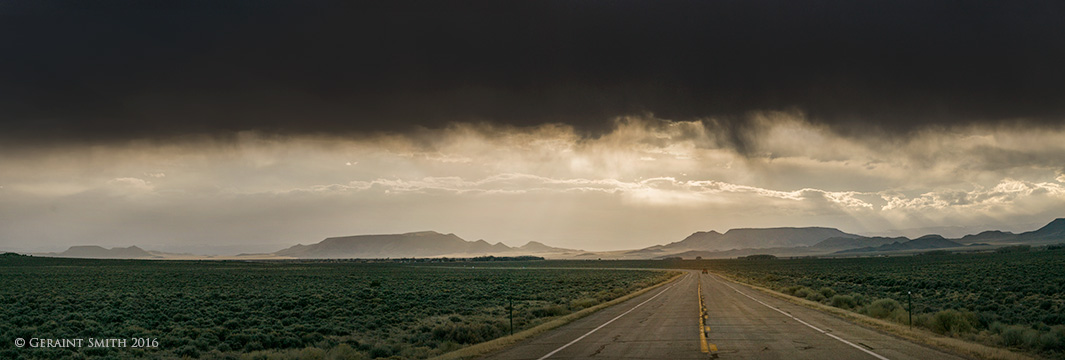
(213, 126)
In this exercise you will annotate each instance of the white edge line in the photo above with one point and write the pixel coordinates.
(878, 356)
(612, 320)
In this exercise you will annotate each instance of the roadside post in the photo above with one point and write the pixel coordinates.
(909, 307)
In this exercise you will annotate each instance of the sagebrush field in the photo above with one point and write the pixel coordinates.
(1011, 298)
(260, 310)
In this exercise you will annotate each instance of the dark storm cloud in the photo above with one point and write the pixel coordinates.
(101, 71)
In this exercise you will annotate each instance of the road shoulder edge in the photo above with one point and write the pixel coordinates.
(924, 337)
(500, 344)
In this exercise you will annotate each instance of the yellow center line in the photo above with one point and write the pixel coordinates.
(702, 334)
(703, 329)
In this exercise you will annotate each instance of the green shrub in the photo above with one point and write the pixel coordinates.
(953, 322)
(1049, 341)
(547, 311)
(252, 346)
(1058, 335)
(843, 301)
(882, 308)
(466, 333)
(997, 327)
(1031, 338)
(790, 290)
(344, 352)
(583, 303)
(921, 320)
(380, 352)
(1013, 335)
(449, 346)
(815, 297)
(312, 354)
(827, 292)
(859, 299)
(804, 292)
(188, 351)
(1053, 319)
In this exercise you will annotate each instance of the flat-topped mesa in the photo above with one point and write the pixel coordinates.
(99, 252)
(412, 244)
(750, 238)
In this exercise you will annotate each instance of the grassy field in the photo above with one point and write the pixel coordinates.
(264, 310)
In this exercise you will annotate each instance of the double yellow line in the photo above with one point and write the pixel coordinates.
(703, 329)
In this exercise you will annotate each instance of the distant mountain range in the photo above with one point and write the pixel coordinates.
(98, 252)
(1051, 233)
(755, 238)
(785, 241)
(415, 244)
(848, 245)
(922, 243)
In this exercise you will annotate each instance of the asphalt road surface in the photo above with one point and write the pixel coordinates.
(739, 323)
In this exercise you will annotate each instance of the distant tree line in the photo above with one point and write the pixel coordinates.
(758, 257)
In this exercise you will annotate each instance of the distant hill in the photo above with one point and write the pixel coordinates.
(535, 247)
(698, 240)
(988, 236)
(754, 239)
(415, 244)
(97, 252)
(1055, 230)
(922, 243)
(812, 241)
(1050, 233)
(728, 254)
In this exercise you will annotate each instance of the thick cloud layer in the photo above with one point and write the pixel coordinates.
(102, 71)
(646, 181)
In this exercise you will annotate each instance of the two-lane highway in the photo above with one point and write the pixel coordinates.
(733, 322)
(660, 324)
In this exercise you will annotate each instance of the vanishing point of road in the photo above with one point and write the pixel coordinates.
(701, 316)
